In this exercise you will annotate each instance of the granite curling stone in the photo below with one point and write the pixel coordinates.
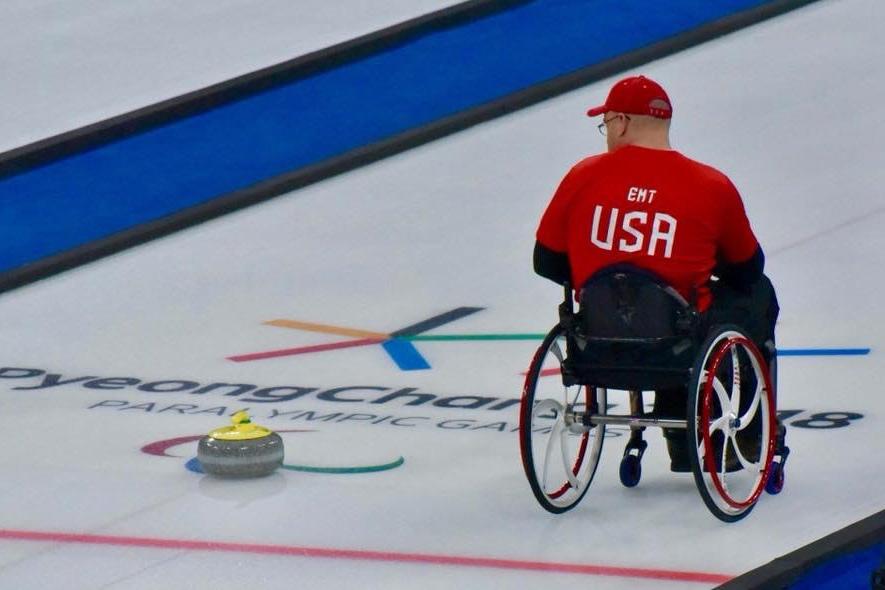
(241, 450)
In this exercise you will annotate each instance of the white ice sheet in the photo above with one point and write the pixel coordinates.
(448, 225)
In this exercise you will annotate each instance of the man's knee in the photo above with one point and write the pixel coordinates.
(755, 309)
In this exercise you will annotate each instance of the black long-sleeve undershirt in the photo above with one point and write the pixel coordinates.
(551, 264)
(741, 275)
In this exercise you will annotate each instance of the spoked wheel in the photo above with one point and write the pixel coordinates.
(731, 402)
(560, 450)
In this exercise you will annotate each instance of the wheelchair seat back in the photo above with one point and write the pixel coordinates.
(633, 331)
(627, 304)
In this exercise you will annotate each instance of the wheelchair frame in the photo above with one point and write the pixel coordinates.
(714, 411)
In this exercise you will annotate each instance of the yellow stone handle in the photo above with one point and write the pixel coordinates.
(241, 428)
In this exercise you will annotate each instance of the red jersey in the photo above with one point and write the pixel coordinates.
(655, 209)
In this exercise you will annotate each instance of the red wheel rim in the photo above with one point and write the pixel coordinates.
(709, 460)
(525, 414)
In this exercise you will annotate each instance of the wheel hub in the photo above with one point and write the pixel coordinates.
(574, 421)
(734, 423)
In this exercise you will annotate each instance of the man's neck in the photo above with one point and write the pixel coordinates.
(652, 144)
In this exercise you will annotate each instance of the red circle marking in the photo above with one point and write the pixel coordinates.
(160, 447)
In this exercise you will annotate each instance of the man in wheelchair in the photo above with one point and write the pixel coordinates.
(643, 214)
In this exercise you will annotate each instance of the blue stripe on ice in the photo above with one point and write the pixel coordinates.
(141, 178)
(823, 351)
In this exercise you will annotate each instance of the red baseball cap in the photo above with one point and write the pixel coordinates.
(636, 95)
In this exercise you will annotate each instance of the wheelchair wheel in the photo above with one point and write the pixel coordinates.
(732, 423)
(560, 450)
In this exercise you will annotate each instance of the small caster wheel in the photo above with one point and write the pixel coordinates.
(630, 471)
(775, 479)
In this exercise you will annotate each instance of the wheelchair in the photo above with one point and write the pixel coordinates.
(634, 333)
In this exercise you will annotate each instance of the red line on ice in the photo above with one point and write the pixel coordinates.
(304, 349)
(360, 554)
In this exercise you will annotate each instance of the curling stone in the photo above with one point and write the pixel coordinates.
(243, 449)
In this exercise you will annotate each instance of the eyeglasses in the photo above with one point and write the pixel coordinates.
(602, 126)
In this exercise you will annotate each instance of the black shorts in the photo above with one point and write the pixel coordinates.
(754, 309)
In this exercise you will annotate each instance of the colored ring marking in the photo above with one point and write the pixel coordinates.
(194, 466)
(347, 470)
(160, 448)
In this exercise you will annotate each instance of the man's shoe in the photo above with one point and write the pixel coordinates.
(680, 462)
(677, 448)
